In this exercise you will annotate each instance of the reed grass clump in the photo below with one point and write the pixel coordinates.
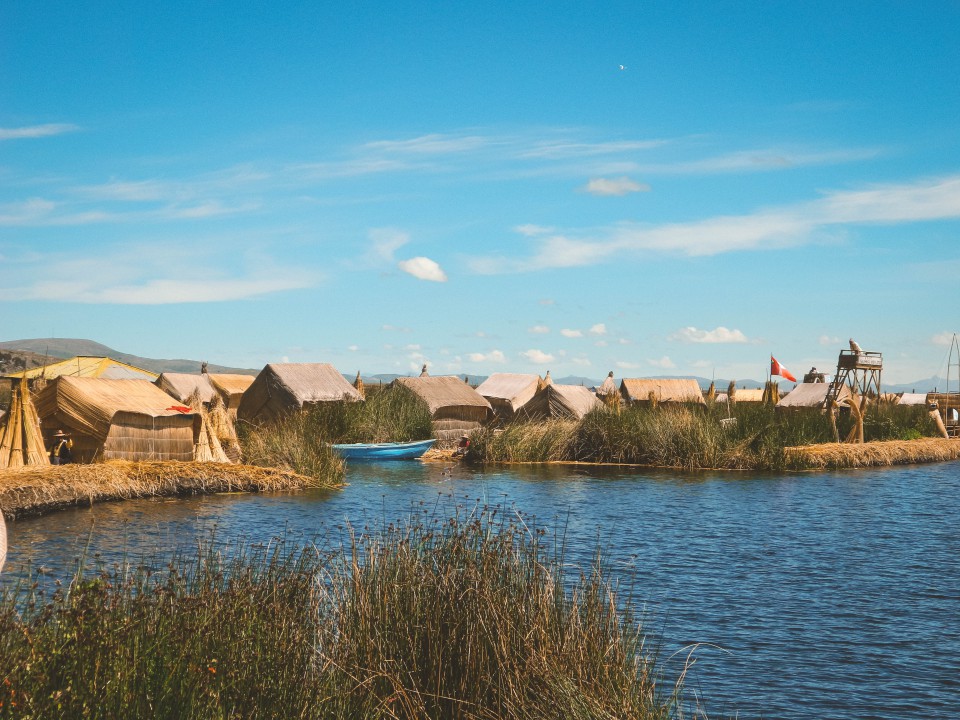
(467, 618)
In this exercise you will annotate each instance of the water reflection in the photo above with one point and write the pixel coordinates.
(814, 595)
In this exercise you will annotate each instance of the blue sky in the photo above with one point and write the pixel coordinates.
(653, 188)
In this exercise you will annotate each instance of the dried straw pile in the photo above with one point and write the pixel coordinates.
(872, 454)
(34, 491)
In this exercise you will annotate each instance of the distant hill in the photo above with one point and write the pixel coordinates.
(53, 349)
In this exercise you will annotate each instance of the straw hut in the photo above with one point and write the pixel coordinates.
(455, 407)
(569, 402)
(231, 388)
(912, 399)
(87, 366)
(811, 396)
(746, 395)
(655, 391)
(118, 419)
(21, 440)
(184, 387)
(608, 393)
(284, 388)
(507, 393)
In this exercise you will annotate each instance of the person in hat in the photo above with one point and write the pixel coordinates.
(462, 446)
(61, 453)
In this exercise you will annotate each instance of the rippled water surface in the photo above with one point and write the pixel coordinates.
(831, 595)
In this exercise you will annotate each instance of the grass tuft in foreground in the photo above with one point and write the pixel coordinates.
(436, 619)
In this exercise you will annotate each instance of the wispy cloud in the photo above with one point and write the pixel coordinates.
(719, 334)
(423, 268)
(943, 339)
(384, 242)
(494, 356)
(598, 329)
(537, 356)
(791, 225)
(615, 187)
(570, 333)
(36, 131)
(435, 144)
(557, 150)
(758, 161)
(531, 230)
(627, 365)
(538, 330)
(663, 363)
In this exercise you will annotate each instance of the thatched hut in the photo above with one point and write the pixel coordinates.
(655, 391)
(911, 399)
(569, 402)
(118, 419)
(608, 393)
(231, 388)
(184, 386)
(456, 408)
(284, 388)
(87, 366)
(507, 393)
(811, 396)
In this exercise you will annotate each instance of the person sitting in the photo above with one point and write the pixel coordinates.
(462, 446)
(61, 453)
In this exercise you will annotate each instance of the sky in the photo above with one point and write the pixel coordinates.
(648, 188)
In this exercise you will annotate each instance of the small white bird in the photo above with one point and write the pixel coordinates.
(854, 346)
(623, 67)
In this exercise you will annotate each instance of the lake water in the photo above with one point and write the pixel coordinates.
(833, 595)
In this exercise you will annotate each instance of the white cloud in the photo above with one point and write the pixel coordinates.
(718, 335)
(664, 363)
(353, 348)
(548, 301)
(435, 144)
(36, 131)
(788, 225)
(384, 243)
(538, 330)
(827, 340)
(537, 356)
(564, 149)
(495, 356)
(601, 343)
(759, 161)
(943, 339)
(585, 362)
(566, 332)
(624, 365)
(598, 329)
(423, 268)
(616, 187)
(413, 347)
(530, 230)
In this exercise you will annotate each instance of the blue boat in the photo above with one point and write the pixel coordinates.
(384, 451)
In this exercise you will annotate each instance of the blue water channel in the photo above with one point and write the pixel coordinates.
(827, 595)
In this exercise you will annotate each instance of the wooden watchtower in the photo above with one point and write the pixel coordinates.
(860, 371)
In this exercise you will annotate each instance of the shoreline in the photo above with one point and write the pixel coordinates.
(32, 491)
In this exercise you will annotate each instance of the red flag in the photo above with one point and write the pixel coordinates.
(778, 369)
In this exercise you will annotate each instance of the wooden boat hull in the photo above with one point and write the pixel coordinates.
(384, 451)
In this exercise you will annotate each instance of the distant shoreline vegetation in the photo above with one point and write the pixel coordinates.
(747, 436)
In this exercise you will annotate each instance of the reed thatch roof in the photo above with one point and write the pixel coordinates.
(87, 366)
(508, 392)
(748, 395)
(182, 386)
(441, 393)
(663, 390)
(811, 395)
(117, 419)
(912, 399)
(562, 401)
(230, 385)
(282, 388)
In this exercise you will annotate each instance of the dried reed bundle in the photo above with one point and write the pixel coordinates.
(880, 453)
(21, 441)
(36, 490)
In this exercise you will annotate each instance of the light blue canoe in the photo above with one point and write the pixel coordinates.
(384, 451)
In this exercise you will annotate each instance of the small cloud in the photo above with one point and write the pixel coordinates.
(614, 187)
(827, 340)
(495, 356)
(548, 301)
(353, 348)
(423, 268)
(413, 347)
(718, 335)
(538, 330)
(384, 243)
(624, 365)
(702, 364)
(585, 362)
(537, 356)
(598, 329)
(566, 332)
(530, 230)
(36, 131)
(601, 343)
(623, 341)
(944, 338)
(663, 362)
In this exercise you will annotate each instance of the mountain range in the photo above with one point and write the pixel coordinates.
(20, 354)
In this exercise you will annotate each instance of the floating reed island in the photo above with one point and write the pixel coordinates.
(37, 490)
(832, 456)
